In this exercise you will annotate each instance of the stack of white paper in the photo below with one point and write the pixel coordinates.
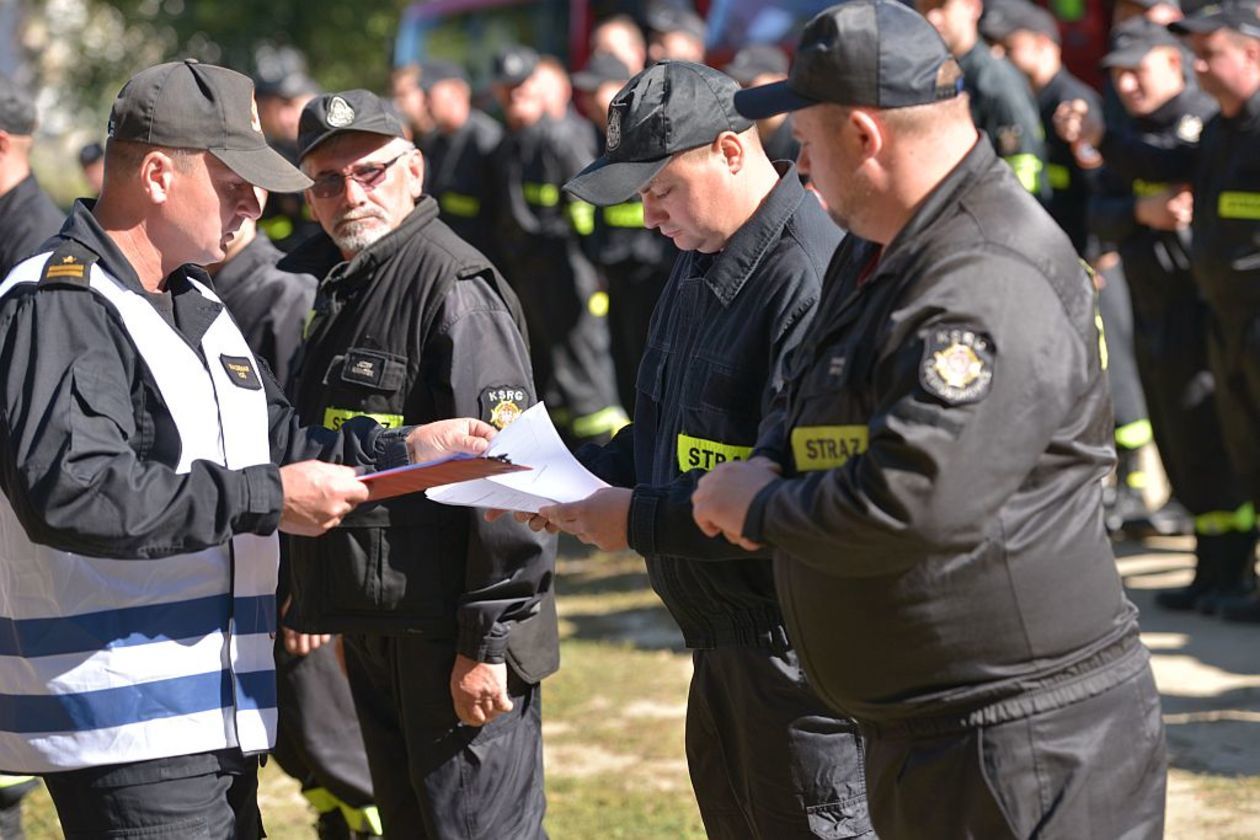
(531, 440)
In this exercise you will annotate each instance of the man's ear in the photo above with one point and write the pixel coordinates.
(6, 142)
(868, 135)
(157, 174)
(415, 172)
(729, 145)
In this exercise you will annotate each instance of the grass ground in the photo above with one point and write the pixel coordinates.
(614, 714)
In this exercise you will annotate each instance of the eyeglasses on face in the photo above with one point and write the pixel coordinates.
(368, 176)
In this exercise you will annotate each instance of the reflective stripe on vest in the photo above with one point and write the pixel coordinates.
(628, 215)
(106, 661)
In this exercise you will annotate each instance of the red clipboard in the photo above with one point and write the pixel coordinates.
(413, 478)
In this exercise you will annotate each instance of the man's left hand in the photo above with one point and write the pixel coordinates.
(448, 437)
(479, 690)
(599, 520)
(723, 496)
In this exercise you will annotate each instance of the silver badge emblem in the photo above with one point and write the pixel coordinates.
(614, 128)
(340, 114)
(1189, 128)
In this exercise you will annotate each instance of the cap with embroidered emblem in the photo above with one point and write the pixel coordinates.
(326, 116)
(1238, 15)
(671, 107)
(189, 105)
(873, 53)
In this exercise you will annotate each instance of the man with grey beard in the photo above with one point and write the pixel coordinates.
(448, 621)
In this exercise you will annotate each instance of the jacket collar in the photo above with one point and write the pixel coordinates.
(82, 227)
(747, 247)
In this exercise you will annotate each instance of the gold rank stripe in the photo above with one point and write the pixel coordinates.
(64, 271)
(1239, 205)
(827, 447)
(698, 453)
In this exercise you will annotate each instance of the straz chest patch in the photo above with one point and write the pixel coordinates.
(502, 404)
(241, 371)
(957, 365)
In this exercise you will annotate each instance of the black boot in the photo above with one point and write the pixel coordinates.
(1207, 572)
(1237, 576)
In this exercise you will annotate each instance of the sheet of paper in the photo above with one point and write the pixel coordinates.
(531, 441)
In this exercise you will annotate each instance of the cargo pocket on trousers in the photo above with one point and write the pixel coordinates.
(840, 820)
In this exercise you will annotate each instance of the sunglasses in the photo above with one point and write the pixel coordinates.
(368, 176)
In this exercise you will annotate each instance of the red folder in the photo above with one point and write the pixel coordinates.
(416, 477)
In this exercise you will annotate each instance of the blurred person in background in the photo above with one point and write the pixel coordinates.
(459, 157)
(283, 89)
(620, 36)
(27, 215)
(541, 230)
(92, 163)
(408, 93)
(675, 33)
(763, 64)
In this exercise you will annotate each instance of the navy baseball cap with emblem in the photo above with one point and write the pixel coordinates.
(671, 107)
(189, 105)
(327, 116)
(1133, 39)
(1238, 15)
(514, 65)
(872, 53)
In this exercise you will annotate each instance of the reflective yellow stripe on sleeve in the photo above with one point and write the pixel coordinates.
(1059, 175)
(827, 447)
(1144, 189)
(1135, 435)
(458, 204)
(582, 217)
(605, 421)
(628, 215)
(1239, 205)
(1217, 522)
(698, 453)
(334, 417)
(1027, 168)
(541, 195)
(365, 820)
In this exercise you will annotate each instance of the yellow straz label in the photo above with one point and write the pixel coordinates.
(1239, 205)
(334, 417)
(827, 447)
(698, 453)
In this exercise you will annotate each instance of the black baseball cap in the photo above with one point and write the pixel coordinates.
(514, 65)
(1231, 14)
(91, 153)
(440, 71)
(874, 53)
(1005, 19)
(671, 107)
(1133, 39)
(757, 60)
(17, 108)
(664, 17)
(189, 105)
(602, 68)
(331, 114)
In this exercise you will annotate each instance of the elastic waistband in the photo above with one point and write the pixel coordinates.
(1104, 670)
(731, 631)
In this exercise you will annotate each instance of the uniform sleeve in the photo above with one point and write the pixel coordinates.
(614, 461)
(661, 521)
(937, 471)
(1110, 210)
(509, 568)
(1134, 158)
(71, 388)
(1016, 131)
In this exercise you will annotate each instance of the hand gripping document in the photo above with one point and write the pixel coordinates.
(554, 474)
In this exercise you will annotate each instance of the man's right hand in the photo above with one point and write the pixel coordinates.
(1077, 124)
(317, 495)
(1172, 209)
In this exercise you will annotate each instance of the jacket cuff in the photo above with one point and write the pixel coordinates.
(490, 648)
(264, 500)
(641, 521)
(390, 448)
(755, 519)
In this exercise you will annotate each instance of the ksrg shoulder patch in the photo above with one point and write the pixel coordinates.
(502, 404)
(957, 365)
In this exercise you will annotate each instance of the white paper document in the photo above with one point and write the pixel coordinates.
(531, 440)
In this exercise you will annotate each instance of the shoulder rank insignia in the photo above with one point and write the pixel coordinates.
(70, 263)
(502, 404)
(957, 365)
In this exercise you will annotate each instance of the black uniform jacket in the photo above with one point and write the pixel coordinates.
(459, 176)
(1156, 262)
(1002, 107)
(420, 327)
(714, 357)
(1070, 186)
(944, 431)
(269, 305)
(1224, 171)
(27, 218)
(89, 447)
